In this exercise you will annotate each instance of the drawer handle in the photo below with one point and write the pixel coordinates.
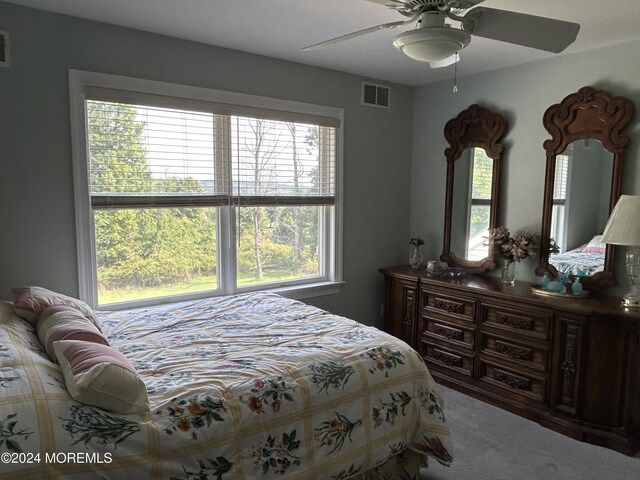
(448, 332)
(447, 359)
(408, 301)
(518, 322)
(514, 352)
(450, 307)
(518, 383)
(568, 367)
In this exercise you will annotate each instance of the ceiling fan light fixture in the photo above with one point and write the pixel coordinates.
(431, 44)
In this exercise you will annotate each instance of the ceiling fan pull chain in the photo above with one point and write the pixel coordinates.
(455, 74)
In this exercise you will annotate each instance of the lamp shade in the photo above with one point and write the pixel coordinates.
(623, 227)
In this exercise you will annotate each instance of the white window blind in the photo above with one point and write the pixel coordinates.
(282, 163)
(561, 177)
(482, 177)
(209, 154)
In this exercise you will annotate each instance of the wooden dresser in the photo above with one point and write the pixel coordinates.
(572, 365)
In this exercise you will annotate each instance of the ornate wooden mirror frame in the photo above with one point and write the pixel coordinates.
(587, 114)
(474, 127)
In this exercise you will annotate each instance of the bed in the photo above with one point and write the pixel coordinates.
(576, 261)
(253, 386)
(586, 259)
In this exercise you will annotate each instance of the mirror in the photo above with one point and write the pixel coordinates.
(582, 184)
(581, 193)
(471, 205)
(473, 171)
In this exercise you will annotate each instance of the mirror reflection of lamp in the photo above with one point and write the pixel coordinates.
(623, 228)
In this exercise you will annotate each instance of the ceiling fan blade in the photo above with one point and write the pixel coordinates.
(455, 4)
(389, 3)
(342, 38)
(462, 4)
(445, 62)
(532, 31)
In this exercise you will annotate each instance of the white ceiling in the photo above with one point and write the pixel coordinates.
(280, 28)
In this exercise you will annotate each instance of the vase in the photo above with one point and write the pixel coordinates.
(544, 282)
(576, 287)
(415, 257)
(508, 271)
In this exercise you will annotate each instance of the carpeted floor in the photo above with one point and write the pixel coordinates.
(491, 444)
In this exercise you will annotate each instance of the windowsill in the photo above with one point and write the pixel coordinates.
(300, 292)
(295, 292)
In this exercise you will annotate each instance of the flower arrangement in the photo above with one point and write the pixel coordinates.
(416, 242)
(513, 248)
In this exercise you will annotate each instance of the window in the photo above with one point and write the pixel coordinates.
(560, 199)
(185, 192)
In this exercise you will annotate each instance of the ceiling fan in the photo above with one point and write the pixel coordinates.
(438, 43)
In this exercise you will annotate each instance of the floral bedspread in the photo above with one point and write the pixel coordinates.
(253, 386)
(574, 262)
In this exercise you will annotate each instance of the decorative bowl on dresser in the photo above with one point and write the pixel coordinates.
(570, 364)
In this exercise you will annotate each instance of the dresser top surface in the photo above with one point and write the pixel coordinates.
(493, 287)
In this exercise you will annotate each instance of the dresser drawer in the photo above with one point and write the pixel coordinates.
(441, 329)
(528, 323)
(513, 382)
(507, 350)
(445, 304)
(446, 358)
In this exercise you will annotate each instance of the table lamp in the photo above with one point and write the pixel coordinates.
(623, 228)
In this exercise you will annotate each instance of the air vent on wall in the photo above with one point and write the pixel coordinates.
(375, 95)
(4, 49)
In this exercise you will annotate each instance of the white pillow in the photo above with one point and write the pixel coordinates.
(62, 322)
(99, 375)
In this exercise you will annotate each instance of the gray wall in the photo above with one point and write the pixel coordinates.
(522, 94)
(37, 238)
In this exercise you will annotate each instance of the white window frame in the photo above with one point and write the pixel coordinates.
(560, 206)
(331, 282)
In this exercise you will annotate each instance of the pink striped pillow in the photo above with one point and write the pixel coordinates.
(595, 245)
(30, 302)
(62, 322)
(101, 376)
